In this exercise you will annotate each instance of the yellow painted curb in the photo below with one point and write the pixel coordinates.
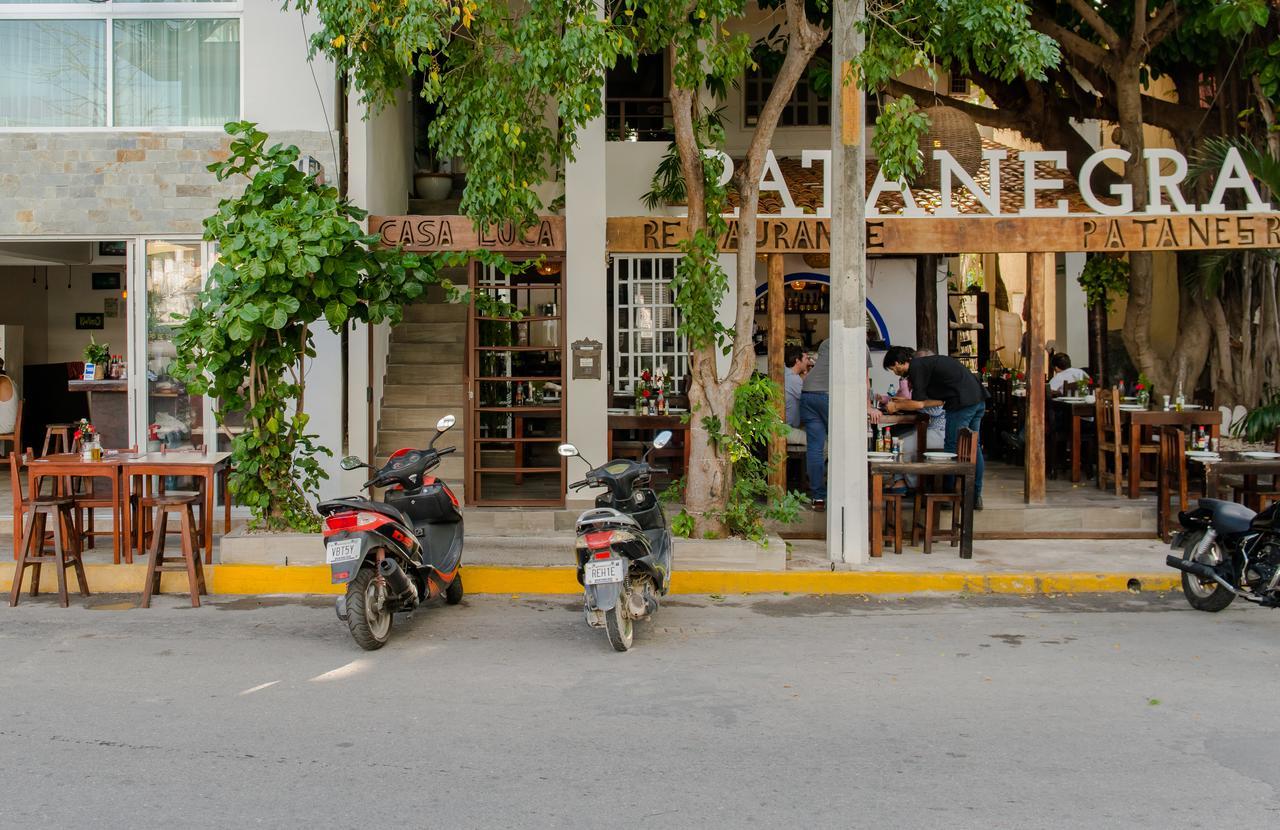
(488, 579)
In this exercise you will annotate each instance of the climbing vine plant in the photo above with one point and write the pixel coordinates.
(291, 254)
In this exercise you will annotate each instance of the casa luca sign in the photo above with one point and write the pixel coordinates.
(1168, 223)
(459, 233)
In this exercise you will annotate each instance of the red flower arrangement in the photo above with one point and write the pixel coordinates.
(85, 431)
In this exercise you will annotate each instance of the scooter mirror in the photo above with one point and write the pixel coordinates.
(445, 423)
(351, 463)
(663, 438)
(568, 450)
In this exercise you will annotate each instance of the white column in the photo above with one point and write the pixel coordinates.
(585, 302)
(1073, 313)
(847, 527)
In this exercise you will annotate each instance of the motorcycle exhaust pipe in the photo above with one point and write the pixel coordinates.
(399, 585)
(1200, 570)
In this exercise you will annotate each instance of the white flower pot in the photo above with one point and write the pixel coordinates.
(433, 187)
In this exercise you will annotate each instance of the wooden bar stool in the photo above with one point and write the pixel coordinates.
(156, 565)
(66, 547)
(61, 436)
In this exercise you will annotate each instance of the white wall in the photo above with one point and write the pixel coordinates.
(64, 342)
(25, 305)
(278, 88)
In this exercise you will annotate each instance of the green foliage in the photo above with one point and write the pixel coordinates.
(97, 353)
(897, 139)
(291, 254)
(667, 185)
(1104, 278)
(1216, 266)
(683, 525)
(1260, 425)
(753, 423)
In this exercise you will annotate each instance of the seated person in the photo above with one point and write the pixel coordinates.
(1064, 374)
(9, 398)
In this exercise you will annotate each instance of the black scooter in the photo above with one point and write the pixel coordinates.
(624, 546)
(1228, 551)
(396, 553)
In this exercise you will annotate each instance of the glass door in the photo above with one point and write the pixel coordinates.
(515, 374)
(174, 273)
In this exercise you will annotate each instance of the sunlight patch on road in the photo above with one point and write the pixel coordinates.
(259, 688)
(354, 667)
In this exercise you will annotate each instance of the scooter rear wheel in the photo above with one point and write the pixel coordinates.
(619, 626)
(453, 594)
(1202, 595)
(367, 615)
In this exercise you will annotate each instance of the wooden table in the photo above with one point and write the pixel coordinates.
(921, 422)
(879, 469)
(1154, 418)
(207, 466)
(1236, 463)
(654, 423)
(66, 465)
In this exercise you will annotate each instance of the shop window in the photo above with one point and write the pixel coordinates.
(645, 321)
(115, 63)
(636, 105)
(959, 85)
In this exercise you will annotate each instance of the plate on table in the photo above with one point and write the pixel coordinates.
(938, 455)
(1203, 455)
(879, 456)
(1129, 399)
(1071, 399)
(1132, 407)
(1261, 455)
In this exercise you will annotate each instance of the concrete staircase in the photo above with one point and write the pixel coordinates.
(424, 382)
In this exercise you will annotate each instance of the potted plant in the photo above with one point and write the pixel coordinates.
(429, 183)
(96, 354)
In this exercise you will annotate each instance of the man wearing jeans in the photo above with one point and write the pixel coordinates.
(815, 404)
(941, 378)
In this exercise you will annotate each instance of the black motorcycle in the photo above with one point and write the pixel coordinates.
(396, 553)
(1228, 551)
(624, 546)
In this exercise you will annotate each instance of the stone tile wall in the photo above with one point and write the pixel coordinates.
(120, 184)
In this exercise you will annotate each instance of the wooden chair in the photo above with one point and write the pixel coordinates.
(1260, 494)
(1113, 443)
(14, 438)
(1173, 480)
(98, 497)
(192, 561)
(29, 539)
(893, 521)
(142, 505)
(928, 505)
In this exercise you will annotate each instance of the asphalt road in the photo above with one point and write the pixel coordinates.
(1116, 711)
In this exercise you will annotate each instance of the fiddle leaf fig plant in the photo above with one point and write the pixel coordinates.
(291, 255)
(1103, 279)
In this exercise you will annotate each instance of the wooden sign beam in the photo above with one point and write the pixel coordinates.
(895, 235)
(426, 234)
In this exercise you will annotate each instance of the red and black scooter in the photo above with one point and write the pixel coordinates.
(396, 553)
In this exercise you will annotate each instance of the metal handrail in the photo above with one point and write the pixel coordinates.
(638, 119)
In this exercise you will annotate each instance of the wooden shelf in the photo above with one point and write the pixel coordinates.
(525, 319)
(536, 410)
(520, 349)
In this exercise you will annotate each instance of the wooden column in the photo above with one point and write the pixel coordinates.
(1038, 265)
(777, 369)
(927, 302)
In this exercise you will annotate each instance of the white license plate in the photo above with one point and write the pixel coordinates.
(343, 551)
(604, 571)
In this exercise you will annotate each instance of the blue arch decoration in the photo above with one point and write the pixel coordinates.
(825, 279)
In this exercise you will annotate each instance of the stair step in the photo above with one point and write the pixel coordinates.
(390, 440)
(416, 374)
(419, 417)
(417, 354)
(439, 312)
(424, 394)
(447, 333)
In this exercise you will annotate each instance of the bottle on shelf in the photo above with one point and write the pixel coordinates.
(519, 394)
(1179, 400)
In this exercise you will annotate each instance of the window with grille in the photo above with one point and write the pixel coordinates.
(645, 320)
(806, 108)
(959, 85)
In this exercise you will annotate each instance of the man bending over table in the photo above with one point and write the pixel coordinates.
(939, 378)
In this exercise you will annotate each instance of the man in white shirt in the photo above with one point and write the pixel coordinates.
(1064, 373)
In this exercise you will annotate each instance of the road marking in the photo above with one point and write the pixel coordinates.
(349, 669)
(259, 688)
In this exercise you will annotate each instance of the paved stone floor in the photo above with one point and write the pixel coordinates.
(770, 711)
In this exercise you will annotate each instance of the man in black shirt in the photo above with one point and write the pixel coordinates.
(941, 379)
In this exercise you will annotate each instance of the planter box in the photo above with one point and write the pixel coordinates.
(241, 548)
(729, 555)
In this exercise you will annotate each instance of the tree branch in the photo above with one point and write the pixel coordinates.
(1164, 23)
(1090, 15)
(1070, 41)
(988, 116)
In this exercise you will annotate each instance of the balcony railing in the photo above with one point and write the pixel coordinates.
(638, 119)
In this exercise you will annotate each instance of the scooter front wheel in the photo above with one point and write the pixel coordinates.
(619, 626)
(367, 614)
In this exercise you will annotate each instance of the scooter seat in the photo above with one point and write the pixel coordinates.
(1229, 517)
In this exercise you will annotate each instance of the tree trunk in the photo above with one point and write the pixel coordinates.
(1098, 342)
(927, 302)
